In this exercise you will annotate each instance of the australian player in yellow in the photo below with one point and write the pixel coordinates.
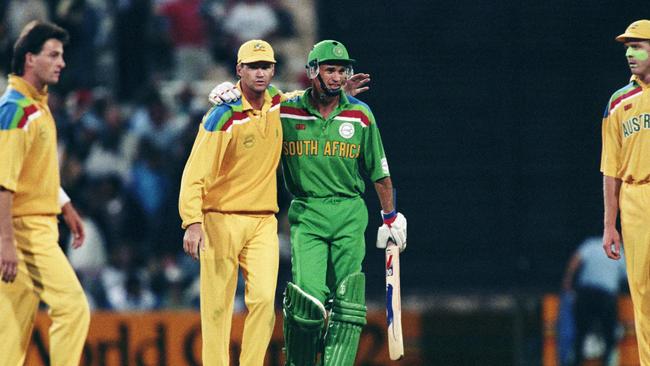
(33, 265)
(625, 164)
(228, 191)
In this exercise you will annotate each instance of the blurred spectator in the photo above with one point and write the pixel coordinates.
(148, 181)
(108, 205)
(150, 189)
(215, 12)
(64, 130)
(89, 260)
(133, 20)
(152, 120)
(115, 148)
(598, 281)
(82, 22)
(14, 15)
(131, 296)
(188, 30)
(126, 287)
(85, 121)
(286, 27)
(5, 42)
(249, 19)
(21, 12)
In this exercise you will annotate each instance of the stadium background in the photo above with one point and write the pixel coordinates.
(490, 114)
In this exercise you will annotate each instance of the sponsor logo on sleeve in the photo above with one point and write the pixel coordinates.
(384, 166)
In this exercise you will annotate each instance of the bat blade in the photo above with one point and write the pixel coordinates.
(393, 303)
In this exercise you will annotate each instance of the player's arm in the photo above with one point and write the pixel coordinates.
(611, 236)
(394, 226)
(206, 157)
(374, 163)
(15, 143)
(227, 92)
(384, 188)
(8, 252)
(609, 165)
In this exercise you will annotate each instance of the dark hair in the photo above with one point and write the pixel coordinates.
(31, 40)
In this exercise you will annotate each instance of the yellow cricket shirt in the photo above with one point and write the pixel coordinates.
(30, 165)
(233, 163)
(626, 134)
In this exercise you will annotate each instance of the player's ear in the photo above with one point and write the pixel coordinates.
(238, 69)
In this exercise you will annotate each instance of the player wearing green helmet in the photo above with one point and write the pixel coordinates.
(330, 140)
(330, 52)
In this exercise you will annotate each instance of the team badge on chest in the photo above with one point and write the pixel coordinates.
(249, 141)
(346, 130)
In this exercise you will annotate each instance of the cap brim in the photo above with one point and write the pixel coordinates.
(251, 60)
(625, 36)
(622, 38)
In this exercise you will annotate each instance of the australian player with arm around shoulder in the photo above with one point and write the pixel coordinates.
(32, 263)
(329, 140)
(228, 201)
(625, 164)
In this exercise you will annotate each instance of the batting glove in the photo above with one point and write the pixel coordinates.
(394, 228)
(225, 92)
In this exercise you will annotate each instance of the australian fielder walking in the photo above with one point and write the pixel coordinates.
(625, 165)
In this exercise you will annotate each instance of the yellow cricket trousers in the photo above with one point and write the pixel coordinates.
(44, 273)
(634, 202)
(234, 240)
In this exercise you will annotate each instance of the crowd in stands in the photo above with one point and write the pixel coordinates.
(124, 134)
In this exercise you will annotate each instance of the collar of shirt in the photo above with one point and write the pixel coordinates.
(635, 79)
(27, 89)
(306, 104)
(246, 106)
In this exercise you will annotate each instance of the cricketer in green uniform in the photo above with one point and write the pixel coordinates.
(330, 139)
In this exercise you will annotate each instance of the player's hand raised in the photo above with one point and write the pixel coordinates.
(225, 92)
(357, 84)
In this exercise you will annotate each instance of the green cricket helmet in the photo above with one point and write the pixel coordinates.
(328, 51)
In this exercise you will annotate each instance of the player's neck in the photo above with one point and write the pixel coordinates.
(323, 102)
(254, 98)
(645, 78)
(33, 80)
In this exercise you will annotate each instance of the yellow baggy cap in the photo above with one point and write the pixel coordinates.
(255, 50)
(639, 29)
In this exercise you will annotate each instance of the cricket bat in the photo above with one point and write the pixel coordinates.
(393, 303)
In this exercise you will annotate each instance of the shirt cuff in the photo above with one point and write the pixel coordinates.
(63, 197)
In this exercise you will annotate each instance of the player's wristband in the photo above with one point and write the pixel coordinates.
(389, 217)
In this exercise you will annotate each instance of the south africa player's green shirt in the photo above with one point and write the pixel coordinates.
(327, 157)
